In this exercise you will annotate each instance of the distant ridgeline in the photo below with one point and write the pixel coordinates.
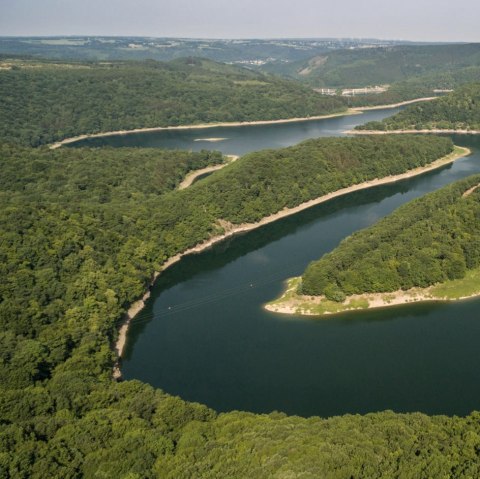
(43, 102)
(245, 51)
(430, 240)
(383, 65)
(459, 110)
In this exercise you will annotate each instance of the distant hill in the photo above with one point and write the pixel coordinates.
(44, 101)
(411, 70)
(374, 66)
(247, 51)
(418, 87)
(459, 110)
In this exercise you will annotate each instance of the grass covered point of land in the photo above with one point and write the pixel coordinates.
(427, 250)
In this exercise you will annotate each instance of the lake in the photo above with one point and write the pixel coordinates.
(205, 337)
(238, 140)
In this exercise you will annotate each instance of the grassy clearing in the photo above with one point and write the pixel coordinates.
(459, 288)
(290, 302)
(250, 82)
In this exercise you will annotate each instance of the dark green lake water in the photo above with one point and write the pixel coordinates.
(238, 140)
(204, 335)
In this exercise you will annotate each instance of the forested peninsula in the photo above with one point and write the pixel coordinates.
(428, 249)
(45, 101)
(83, 230)
(458, 111)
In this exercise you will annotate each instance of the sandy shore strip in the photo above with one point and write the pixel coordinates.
(470, 191)
(395, 105)
(231, 230)
(211, 140)
(410, 132)
(350, 111)
(193, 175)
(295, 304)
(134, 309)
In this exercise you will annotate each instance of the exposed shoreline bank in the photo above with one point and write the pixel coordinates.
(231, 230)
(401, 132)
(295, 304)
(395, 105)
(193, 175)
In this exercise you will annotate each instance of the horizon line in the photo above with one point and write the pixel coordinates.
(75, 35)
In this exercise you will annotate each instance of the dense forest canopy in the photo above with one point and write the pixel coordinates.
(43, 102)
(82, 232)
(427, 241)
(412, 71)
(264, 182)
(459, 110)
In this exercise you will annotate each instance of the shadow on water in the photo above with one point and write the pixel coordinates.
(240, 245)
(388, 313)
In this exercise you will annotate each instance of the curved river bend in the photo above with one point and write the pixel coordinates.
(204, 335)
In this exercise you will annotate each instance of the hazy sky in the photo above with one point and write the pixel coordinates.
(436, 20)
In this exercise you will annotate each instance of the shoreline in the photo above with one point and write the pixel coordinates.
(395, 105)
(193, 175)
(232, 230)
(409, 132)
(348, 112)
(302, 305)
(201, 126)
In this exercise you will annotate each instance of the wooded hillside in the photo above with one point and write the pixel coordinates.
(43, 102)
(459, 110)
(427, 241)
